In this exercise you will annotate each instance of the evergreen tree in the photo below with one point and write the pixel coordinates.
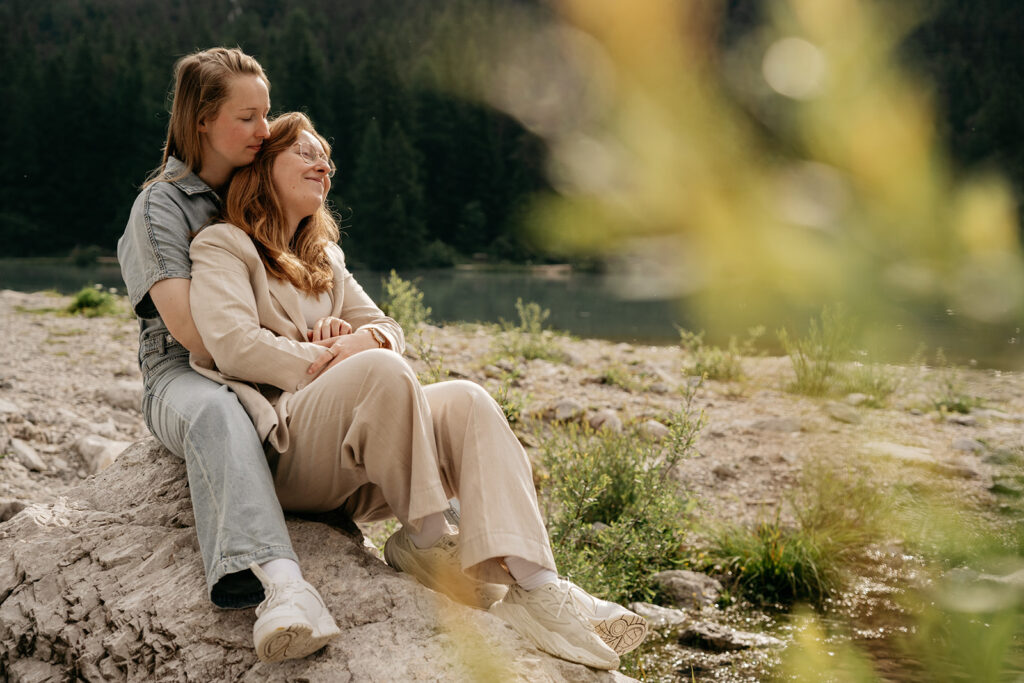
(387, 230)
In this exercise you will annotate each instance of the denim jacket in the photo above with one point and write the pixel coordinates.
(155, 243)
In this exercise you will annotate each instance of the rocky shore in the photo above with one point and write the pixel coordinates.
(69, 395)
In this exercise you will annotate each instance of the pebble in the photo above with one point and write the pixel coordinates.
(607, 420)
(723, 472)
(659, 617)
(572, 358)
(654, 430)
(711, 636)
(567, 410)
(844, 413)
(107, 429)
(779, 424)
(968, 444)
(687, 589)
(99, 453)
(8, 408)
(124, 394)
(962, 420)
(913, 454)
(856, 399)
(27, 455)
(9, 508)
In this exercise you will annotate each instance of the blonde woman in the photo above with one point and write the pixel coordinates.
(218, 124)
(352, 427)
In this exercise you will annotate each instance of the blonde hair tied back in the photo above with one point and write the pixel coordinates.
(201, 83)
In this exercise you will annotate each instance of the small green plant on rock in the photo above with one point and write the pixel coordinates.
(528, 339)
(511, 402)
(875, 381)
(93, 302)
(403, 301)
(951, 394)
(619, 376)
(715, 362)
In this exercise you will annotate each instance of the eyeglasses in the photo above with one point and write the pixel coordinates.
(312, 157)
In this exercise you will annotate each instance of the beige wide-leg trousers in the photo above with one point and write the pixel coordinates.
(367, 436)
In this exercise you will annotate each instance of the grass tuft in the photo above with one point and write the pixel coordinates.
(529, 339)
(836, 516)
(93, 302)
(715, 362)
(823, 361)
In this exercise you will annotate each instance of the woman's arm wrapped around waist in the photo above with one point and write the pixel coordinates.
(231, 304)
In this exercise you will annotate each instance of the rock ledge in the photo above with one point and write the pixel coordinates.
(106, 583)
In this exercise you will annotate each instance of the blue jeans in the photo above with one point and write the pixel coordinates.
(238, 516)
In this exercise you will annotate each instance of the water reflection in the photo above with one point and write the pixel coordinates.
(588, 305)
(583, 304)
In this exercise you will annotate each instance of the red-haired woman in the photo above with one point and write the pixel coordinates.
(357, 430)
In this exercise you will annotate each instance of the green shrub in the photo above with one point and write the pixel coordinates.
(714, 362)
(822, 362)
(93, 302)
(403, 301)
(528, 339)
(615, 515)
(774, 563)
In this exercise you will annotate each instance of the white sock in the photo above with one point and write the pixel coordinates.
(282, 570)
(432, 528)
(529, 575)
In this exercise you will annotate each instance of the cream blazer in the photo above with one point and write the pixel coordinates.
(252, 324)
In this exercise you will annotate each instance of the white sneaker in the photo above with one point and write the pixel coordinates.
(620, 629)
(439, 568)
(292, 621)
(553, 618)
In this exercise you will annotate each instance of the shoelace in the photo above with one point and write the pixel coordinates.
(565, 597)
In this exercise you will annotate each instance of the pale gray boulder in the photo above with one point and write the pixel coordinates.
(687, 589)
(106, 583)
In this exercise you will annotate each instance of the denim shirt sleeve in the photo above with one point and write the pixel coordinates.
(155, 243)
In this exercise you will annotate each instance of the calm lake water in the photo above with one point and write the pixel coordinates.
(580, 303)
(583, 304)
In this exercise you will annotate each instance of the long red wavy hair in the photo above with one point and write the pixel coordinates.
(252, 204)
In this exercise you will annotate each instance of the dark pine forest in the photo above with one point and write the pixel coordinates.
(424, 178)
